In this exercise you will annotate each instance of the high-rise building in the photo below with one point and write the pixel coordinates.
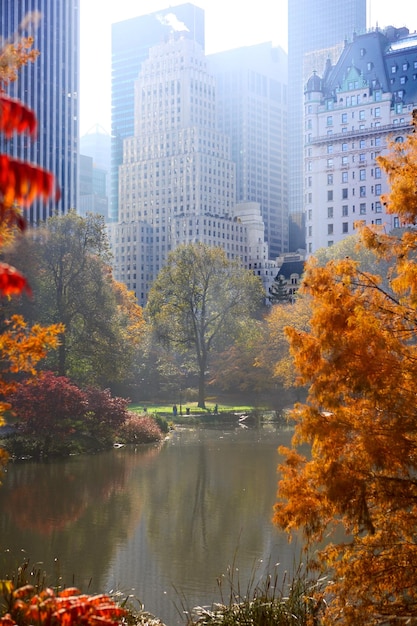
(177, 180)
(251, 84)
(358, 105)
(312, 26)
(131, 41)
(50, 87)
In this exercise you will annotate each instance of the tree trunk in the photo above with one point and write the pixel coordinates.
(202, 390)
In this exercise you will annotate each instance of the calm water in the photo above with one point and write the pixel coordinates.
(157, 522)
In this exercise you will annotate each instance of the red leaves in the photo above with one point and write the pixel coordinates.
(11, 281)
(20, 184)
(16, 117)
(68, 608)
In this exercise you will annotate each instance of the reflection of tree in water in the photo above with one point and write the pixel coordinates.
(214, 493)
(78, 505)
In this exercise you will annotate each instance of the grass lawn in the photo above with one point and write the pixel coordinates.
(165, 409)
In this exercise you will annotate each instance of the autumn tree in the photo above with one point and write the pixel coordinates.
(67, 259)
(359, 359)
(197, 301)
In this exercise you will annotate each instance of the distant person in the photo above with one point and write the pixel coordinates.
(175, 410)
(187, 410)
(216, 409)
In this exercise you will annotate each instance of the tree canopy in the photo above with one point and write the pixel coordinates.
(197, 301)
(359, 358)
(67, 259)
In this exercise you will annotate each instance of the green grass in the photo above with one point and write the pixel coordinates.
(165, 408)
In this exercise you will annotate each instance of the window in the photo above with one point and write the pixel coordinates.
(330, 179)
(405, 67)
(330, 120)
(330, 148)
(345, 227)
(330, 195)
(362, 115)
(377, 111)
(378, 190)
(362, 208)
(344, 118)
(377, 172)
(362, 174)
(378, 207)
(330, 212)
(310, 214)
(329, 244)
(344, 193)
(362, 144)
(344, 177)
(362, 192)
(330, 229)
(396, 222)
(344, 147)
(362, 157)
(344, 160)
(329, 162)
(345, 210)
(393, 69)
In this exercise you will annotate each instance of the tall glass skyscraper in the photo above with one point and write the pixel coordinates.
(50, 87)
(312, 26)
(131, 41)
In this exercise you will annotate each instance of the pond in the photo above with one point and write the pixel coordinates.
(159, 522)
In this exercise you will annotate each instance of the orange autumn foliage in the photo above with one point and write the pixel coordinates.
(359, 359)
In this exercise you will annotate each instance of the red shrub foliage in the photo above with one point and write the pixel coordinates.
(67, 608)
(140, 429)
(49, 405)
(104, 411)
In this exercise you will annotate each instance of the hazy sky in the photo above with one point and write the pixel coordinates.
(229, 24)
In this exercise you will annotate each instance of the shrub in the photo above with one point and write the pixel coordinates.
(162, 423)
(24, 606)
(105, 414)
(48, 406)
(140, 429)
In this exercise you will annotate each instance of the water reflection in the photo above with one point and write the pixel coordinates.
(151, 519)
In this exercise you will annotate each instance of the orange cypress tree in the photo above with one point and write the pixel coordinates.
(359, 359)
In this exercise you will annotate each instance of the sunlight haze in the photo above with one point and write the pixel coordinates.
(229, 24)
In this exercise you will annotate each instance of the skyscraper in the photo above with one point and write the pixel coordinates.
(131, 41)
(252, 103)
(50, 87)
(177, 179)
(312, 26)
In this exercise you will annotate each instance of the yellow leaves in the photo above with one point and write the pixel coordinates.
(21, 348)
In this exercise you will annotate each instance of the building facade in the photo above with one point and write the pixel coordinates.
(352, 112)
(131, 42)
(50, 87)
(177, 180)
(312, 26)
(252, 104)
